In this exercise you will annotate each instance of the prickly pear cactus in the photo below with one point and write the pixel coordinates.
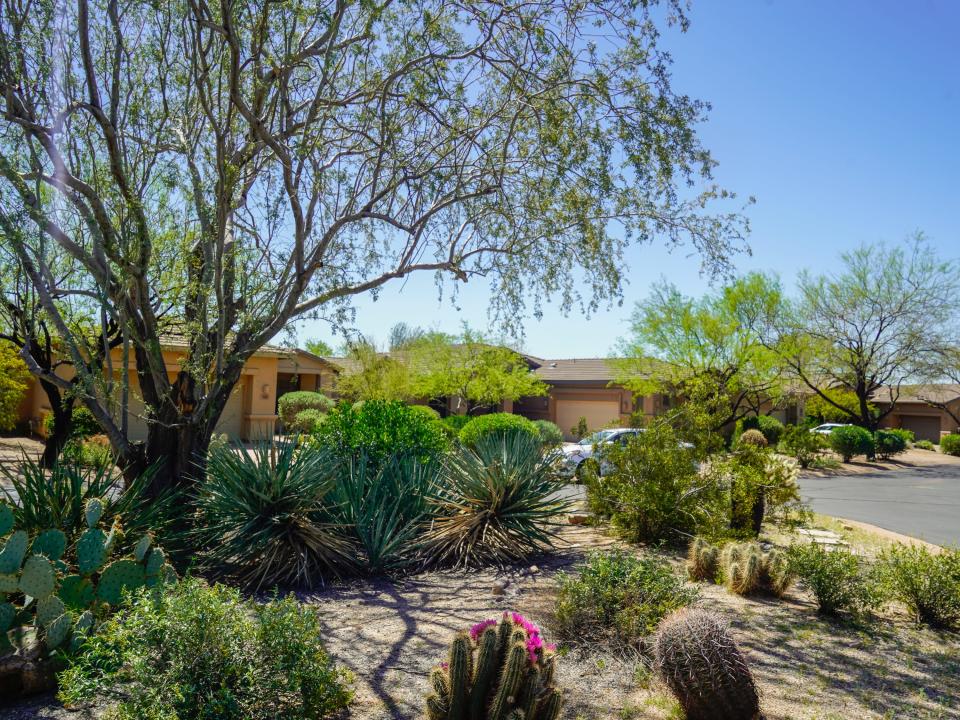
(496, 671)
(51, 543)
(93, 512)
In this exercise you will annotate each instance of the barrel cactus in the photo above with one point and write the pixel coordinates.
(698, 659)
(496, 671)
(747, 569)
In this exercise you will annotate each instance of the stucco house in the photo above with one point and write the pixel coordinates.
(912, 411)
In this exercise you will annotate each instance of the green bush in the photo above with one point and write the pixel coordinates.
(495, 503)
(927, 583)
(753, 437)
(924, 445)
(837, 578)
(888, 443)
(82, 423)
(771, 428)
(198, 652)
(950, 444)
(307, 421)
(618, 596)
(851, 440)
(654, 490)
(428, 412)
(496, 423)
(456, 422)
(261, 518)
(908, 436)
(550, 433)
(292, 404)
(801, 444)
(378, 430)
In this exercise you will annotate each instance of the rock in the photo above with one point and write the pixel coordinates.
(847, 527)
(533, 570)
(578, 519)
(500, 587)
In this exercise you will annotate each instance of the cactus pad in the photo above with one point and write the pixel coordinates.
(77, 592)
(13, 551)
(84, 622)
(93, 512)
(49, 609)
(38, 578)
(7, 613)
(155, 561)
(8, 583)
(91, 551)
(6, 518)
(143, 546)
(58, 630)
(52, 543)
(118, 576)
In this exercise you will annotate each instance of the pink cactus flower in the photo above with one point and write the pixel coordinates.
(477, 630)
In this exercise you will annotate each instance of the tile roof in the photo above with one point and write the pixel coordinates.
(941, 393)
(571, 370)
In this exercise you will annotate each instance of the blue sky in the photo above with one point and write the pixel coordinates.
(843, 120)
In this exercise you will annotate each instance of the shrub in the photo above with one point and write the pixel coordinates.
(307, 421)
(928, 584)
(888, 443)
(835, 577)
(698, 659)
(760, 484)
(580, 430)
(802, 444)
(908, 436)
(924, 445)
(753, 437)
(495, 503)
(770, 427)
(550, 433)
(261, 519)
(851, 440)
(456, 422)
(200, 652)
(82, 423)
(618, 596)
(290, 404)
(496, 423)
(428, 412)
(379, 430)
(703, 561)
(654, 489)
(950, 444)
(747, 570)
(496, 671)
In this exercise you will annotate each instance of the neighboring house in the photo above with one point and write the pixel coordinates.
(913, 411)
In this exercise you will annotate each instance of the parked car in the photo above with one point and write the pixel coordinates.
(828, 428)
(580, 456)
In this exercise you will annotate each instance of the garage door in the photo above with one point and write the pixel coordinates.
(599, 414)
(231, 421)
(923, 426)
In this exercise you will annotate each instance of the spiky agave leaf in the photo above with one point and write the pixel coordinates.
(496, 503)
(261, 517)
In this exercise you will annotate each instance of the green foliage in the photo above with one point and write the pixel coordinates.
(497, 671)
(771, 428)
(307, 421)
(927, 583)
(261, 516)
(620, 597)
(747, 569)
(888, 443)
(924, 445)
(291, 404)
(753, 437)
(428, 412)
(197, 652)
(908, 435)
(801, 444)
(851, 440)
(14, 383)
(379, 430)
(654, 490)
(496, 424)
(761, 485)
(495, 502)
(823, 411)
(836, 577)
(580, 430)
(318, 347)
(950, 444)
(373, 375)
(82, 423)
(550, 433)
(698, 659)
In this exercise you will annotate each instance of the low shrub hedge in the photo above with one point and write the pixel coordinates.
(851, 440)
(950, 444)
(496, 423)
(888, 443)
(292, 404)
(924, 445)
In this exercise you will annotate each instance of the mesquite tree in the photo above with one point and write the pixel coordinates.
(219, 169)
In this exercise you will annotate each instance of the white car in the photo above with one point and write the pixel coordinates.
(828, 428)
(576, 455)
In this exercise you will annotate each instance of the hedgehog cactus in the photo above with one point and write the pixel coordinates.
(703, 560)
(496, 671)
(748, 569)
(700, 662)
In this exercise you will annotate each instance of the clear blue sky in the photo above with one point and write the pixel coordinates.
(842, 118)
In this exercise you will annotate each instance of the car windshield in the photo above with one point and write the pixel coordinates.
(597, 437)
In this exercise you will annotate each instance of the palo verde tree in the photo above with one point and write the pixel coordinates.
(704, 349)
(217, 170)
(859, 334)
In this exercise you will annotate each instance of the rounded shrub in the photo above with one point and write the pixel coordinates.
(837, 578)
(82, 423)
(496, 423)
(425, 410)
(307, 421)
(851, 440)
(292, 404)
(927, 583)
(771, 428)
(950, 444)
(802, 444)
(888, 443)
(550, 433)
(753, 437)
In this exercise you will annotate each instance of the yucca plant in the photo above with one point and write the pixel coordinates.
(495, 503)
(384, 510)
(261, 519)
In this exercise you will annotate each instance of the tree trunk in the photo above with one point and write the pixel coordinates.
(759, 509)
(62, 425)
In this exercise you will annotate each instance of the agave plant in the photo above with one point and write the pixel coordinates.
(495, 503)
(261, 518)
(384, 510)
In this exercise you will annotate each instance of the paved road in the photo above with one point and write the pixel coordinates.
(923, 502)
